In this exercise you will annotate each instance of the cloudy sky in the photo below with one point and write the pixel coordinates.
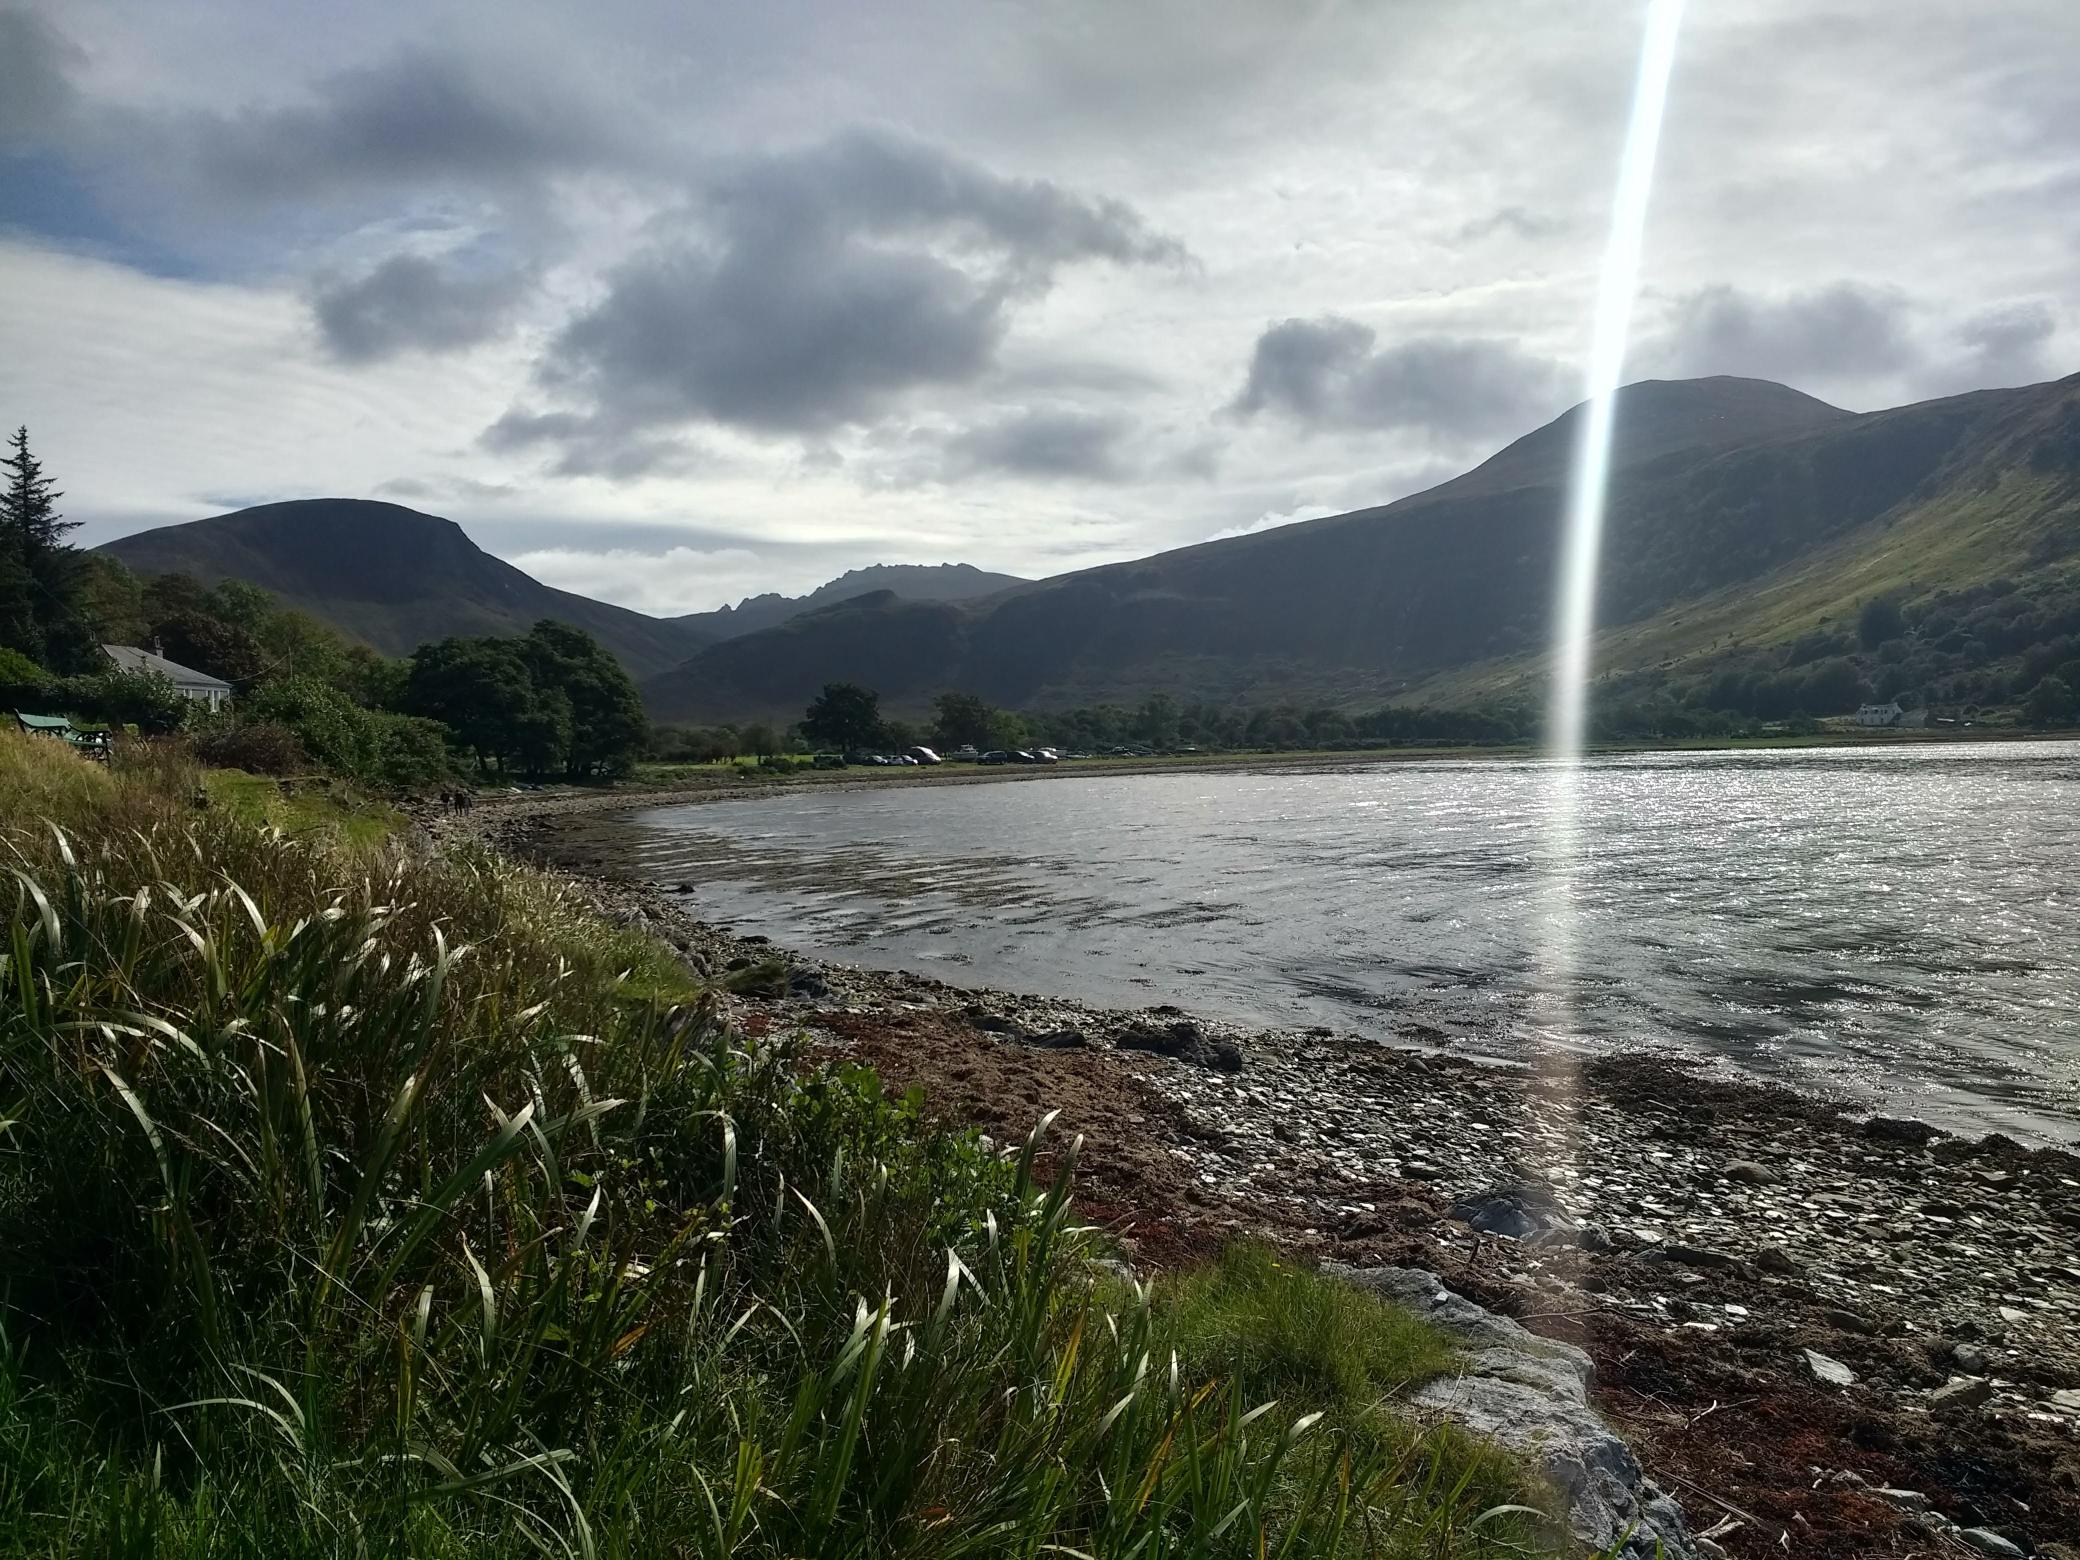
(669, 301)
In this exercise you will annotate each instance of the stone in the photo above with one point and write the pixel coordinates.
(1968, 1358)
(1849, 1321)
(1519, 1211)
(1183, 1041)
(807, 984)
(1775, 1259)
(1752, 1173)
(1830, 1371)
(2067, 1398)
(1961, 1392)
(1988, 1542)
(1058, 1040)
(1530, 1394)
(1895, 1129)
(1698, 1257)
(1905, 1500)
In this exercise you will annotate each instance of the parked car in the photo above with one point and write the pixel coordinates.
(965, 754)
(996, 756)
(921, 755)
(1046, 756)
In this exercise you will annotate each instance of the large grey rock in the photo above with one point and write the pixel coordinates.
(1988, 1542)
(1828, 1369)
(1530, 1394)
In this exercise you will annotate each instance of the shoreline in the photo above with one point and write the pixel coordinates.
(719, 782)
(1697, 1236)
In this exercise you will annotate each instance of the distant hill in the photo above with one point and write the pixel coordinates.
(392, 577)
(906, 581)
(1726, 493)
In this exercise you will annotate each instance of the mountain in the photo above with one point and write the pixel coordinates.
(906, 581)
(392, 577)
(1725, 494)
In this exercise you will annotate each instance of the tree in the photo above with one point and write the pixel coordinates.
(1879, 621)
(1156, 721)
(2051, 703)
(19, 631)
(961, 720)
(43, 565)
(209, 644)
(480, 689)
(605, 727)
(757, 739)
(112, 599)
(844, 715)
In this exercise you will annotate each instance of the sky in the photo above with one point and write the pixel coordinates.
(670, 302)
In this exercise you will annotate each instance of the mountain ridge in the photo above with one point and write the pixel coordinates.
(1715, 483)
(908, 581)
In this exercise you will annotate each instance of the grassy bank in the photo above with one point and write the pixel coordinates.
(359, 1204)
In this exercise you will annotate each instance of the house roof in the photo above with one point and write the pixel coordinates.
(132, 659)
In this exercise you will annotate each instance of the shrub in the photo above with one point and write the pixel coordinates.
(333, 729)
(23, 684)
(411, 750)
(260, 747)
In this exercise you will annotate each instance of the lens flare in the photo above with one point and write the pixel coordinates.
(1575, 608)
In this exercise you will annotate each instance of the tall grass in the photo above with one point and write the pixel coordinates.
(358, 1205)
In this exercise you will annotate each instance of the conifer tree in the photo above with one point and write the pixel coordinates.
(48, 567)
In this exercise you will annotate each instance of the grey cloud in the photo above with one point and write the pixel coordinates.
(2009, 345)
(417, 118)
(1331, 372)
(1521, 221)
(1848, 331)
(588, 447)
(410, 303)
(810, 290)
(37, 97)
(874, 183)
(446, 489)
(1843, 331)
(1043, 444)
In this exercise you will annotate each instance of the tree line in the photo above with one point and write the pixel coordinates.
(550, 702)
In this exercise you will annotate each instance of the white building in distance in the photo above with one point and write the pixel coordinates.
(187, 682)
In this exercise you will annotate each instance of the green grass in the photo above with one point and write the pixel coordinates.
(360, 1204)
(1257, 1315)
(302, 807)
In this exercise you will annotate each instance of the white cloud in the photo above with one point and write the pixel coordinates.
(1273, 520)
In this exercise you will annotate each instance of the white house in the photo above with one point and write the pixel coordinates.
(187, 682)
(1888, 714)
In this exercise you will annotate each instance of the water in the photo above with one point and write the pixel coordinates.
(1899, 926)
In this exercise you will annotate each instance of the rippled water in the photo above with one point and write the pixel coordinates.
(1902, 925)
